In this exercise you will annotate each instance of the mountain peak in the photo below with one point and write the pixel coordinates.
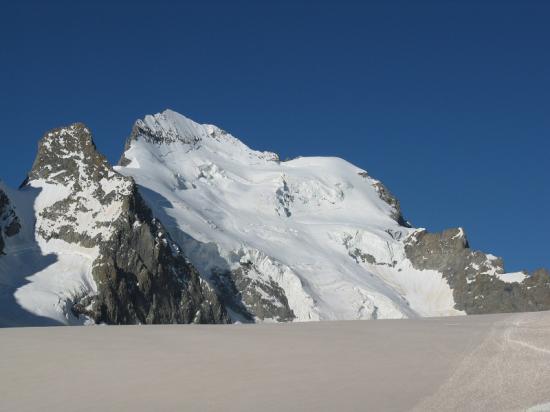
(78, 184)
(67, 152)
(170, 127)
(73, 136)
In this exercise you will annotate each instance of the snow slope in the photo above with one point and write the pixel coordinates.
(317, 227)
(40, 278)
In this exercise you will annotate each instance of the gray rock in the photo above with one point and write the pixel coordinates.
(142, 276)
(264, 298)
(472, 275)
(9, 222)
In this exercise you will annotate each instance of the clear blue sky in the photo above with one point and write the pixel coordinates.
(447, 102)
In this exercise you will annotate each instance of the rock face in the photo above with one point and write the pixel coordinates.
(9, 222)
(475, 277)
(251, 295)
(140, 274)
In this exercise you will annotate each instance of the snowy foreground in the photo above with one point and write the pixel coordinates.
(490, 363)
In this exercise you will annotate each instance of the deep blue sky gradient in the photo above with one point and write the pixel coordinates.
(447, 102)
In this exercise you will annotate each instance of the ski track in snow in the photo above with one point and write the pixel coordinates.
(509, 371)
(436, 364)
(508, 339)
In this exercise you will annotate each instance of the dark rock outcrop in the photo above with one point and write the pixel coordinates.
(473, 275)
(141, 274)
(249, 295)
(9, 222)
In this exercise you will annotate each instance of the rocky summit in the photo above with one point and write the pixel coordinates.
(193, 226)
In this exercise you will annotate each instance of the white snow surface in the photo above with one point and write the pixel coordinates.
(512, 277)
(298, 221)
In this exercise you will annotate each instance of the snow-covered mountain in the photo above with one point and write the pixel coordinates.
(89, 250)
(192, 224)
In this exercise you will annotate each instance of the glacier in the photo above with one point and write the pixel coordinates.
(297, 222)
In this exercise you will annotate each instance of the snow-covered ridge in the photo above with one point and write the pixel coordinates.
(170, 127)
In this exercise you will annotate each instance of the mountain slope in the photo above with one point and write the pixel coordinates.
(194, 226)
(306, 239)
(90, 249)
